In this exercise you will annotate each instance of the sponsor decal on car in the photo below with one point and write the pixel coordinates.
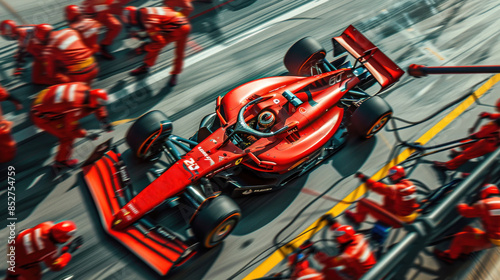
(250, 191)
(207, 157)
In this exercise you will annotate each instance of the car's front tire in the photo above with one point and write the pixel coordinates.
(215, 220)
(146, 136)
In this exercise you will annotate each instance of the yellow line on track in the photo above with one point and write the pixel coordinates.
(278, 256)
(435, 53)
(118, 122)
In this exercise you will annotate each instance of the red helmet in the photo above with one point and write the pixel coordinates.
(63, 231)
(97, 97)
(265, 120)
(344, 234)
(396, 173)
(8, 28)
(129, 15)
(72, 12)
(488, 190)
(42, 31)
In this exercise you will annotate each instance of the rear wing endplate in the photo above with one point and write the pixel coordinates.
(385, 71)
(108, 181)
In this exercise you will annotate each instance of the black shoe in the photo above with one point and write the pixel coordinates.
(173, 80)
(143, 69)
(105, 53)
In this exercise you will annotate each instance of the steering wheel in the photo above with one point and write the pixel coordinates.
(242, 126)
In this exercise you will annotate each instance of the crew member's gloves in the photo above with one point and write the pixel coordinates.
(484, 115)
(18, 71)
(361, 176)
(74, 245)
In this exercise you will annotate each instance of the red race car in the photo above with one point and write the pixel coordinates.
(262, 135)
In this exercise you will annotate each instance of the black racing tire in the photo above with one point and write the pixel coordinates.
(302, 55)
(371, 116)
(146, 136)
(216, 220)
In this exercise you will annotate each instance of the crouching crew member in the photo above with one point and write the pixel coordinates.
(7, 143)
(355, 258)
(65, 57)
(163, 26)
(100, 10)
(399, 198)
(24, 34)
(490, 142)
(473, 239)
(57, 110)
(87, 27)
(39, 244)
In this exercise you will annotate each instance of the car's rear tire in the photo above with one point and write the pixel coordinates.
(215, 221)
(146, 136)
(302, 55)
(371, 116)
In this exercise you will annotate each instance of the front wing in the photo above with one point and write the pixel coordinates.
(108, 182)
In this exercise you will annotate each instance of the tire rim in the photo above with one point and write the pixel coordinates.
(381, 122)
(222, 231)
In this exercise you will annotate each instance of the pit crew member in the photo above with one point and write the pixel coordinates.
(24, 34)
(490, 134)
(162, 25)
(40, 244)
(355, 258)
(100, 10)
(87, 27)
(65, 57)
(399, 198)
(7, 144)
(470, 239)
(57, 110)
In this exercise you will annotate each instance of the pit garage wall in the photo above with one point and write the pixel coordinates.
(432, 226)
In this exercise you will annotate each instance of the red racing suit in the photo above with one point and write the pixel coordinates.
(185, 6)
(28, 44)
(33, 246)
(57, 110)
(303, 271)
(399, 199)
(473, 239)
(89, 31)
(67, 59)
(354, 261)
(100, 10)
(7, 144)
(164, 26)
(481, 147)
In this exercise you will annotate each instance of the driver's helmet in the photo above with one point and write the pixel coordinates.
(265, 120)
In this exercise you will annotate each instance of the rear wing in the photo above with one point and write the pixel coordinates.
(385, 71)
(108, 181)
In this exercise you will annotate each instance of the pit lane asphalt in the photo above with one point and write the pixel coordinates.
(459, 32)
